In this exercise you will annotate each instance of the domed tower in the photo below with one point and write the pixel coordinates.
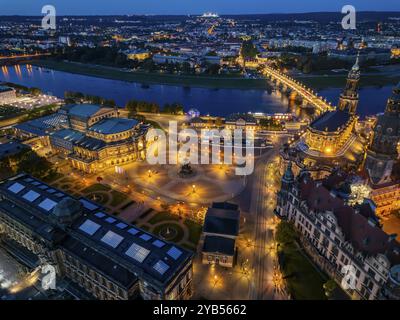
(349, 98)
(66, 211)
(382, 154)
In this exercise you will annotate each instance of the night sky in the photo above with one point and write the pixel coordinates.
(105, 7)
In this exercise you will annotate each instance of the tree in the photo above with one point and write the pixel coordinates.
(329, 287)
(285, 232)
(109, 103)
(248, 50)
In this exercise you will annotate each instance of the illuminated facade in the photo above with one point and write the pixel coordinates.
(97, 139)
(138, 55)
(7, 95)
(97, 255)
(331, 140)
(382, 161)
(241, 121)
(336, 235)
(329, 133)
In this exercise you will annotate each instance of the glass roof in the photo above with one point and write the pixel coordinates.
(137, 252)
(31, 196)
(112, 239)
(159, 243)
(174, 252)
(16, 187)
(89, 227)
(47, 204)
(161, 267)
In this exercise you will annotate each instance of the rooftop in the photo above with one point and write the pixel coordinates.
(359, 224)
(42, 126)
(222, 221)
(331, 121)
(219, 245)
(5, 89)
(120, 250)
(82, 110)
(68, 135)
(114, 125)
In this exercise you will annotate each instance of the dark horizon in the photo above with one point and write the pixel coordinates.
(199, 14)
(190, 7)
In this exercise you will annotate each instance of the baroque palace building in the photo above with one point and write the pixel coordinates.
(94, 138)
(382, 166)
(95, 255)
(330, 140)
(339, 237)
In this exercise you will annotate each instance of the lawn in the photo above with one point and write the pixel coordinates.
(101, 197)
(339, 81)
(195, 230)
(217, 81)
(96, 187)
(118, 198)
(179, 231)
(52, 177)
(163, 216)
(303, 280)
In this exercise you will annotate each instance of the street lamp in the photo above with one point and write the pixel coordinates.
(194, 188)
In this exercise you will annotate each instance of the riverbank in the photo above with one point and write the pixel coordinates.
(321, 82)
(204, 81)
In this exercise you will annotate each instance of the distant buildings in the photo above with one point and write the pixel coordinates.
(139, 55)
(7, 95)
(95, 255)
(241, 121)
(367, 54)
(339, 237)
(220, 230)
(164, 58)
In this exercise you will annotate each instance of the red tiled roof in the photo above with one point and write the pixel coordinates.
(364, 235)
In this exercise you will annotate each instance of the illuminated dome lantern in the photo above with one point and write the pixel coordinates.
(193, 113)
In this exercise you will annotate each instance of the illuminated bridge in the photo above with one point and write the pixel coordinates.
(24, 56)
(298, 88)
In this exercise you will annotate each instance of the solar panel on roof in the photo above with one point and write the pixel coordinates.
(110, 220)
(31, 196)
(159, 243)
(47, 204)
(36, 183)
(174, 252)
(145, 237)
(137, 252)
(51, 191)
(112, 239)
(89, 227)
(161, 267)
(133, 231)
(88, 205)
(43, 187)
(100, 215)
(121, 225)
(16, 187)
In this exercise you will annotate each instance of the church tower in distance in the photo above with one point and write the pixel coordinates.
(349, 98)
